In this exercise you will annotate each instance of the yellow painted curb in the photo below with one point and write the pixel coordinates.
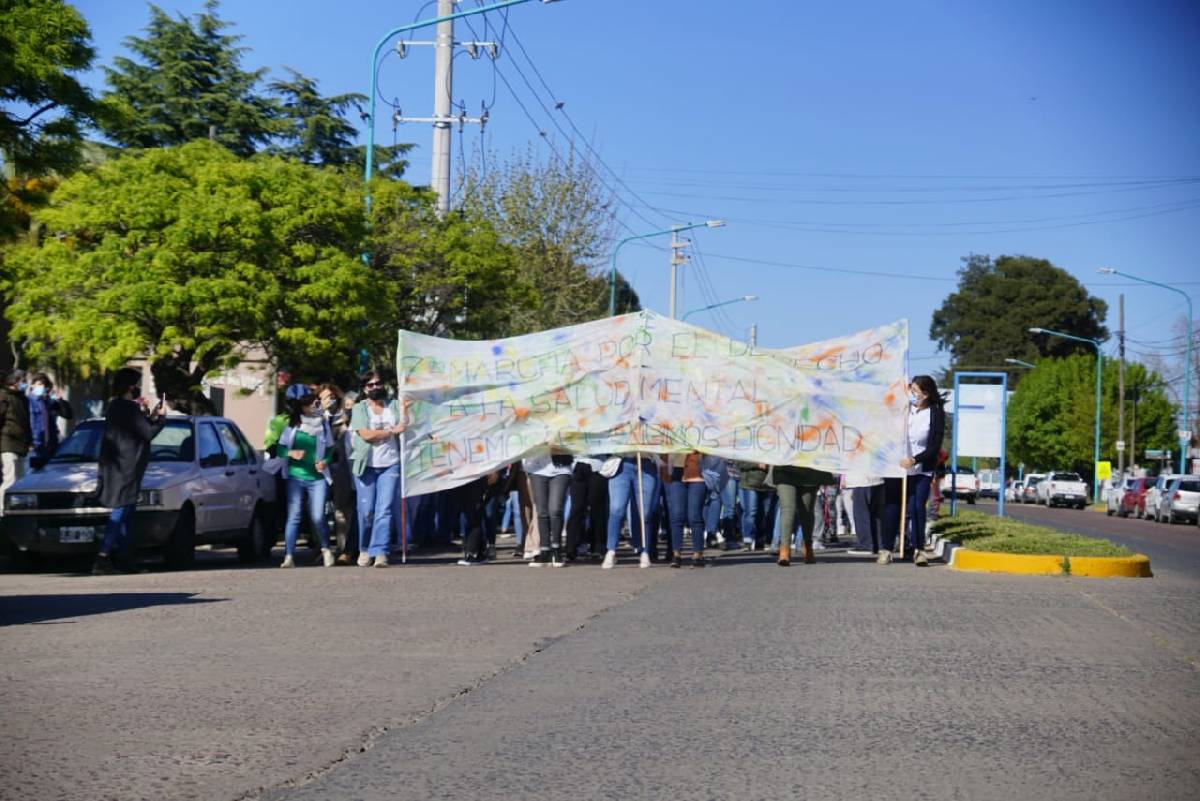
(1136, 566)
(984, 562)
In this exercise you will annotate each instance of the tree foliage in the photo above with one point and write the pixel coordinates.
(186, 84)
(987, 320)
(43, 44)
(188, 255)
(1051, 416)
(558, 218)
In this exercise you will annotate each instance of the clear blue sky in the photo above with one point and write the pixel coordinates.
(888, 138)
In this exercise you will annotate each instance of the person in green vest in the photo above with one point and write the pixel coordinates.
(308, 442)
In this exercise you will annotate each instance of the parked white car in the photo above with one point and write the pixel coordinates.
(1062, 489)
(204, 484)
(1112, 500)
(1156, 492)
(1012, 493)
(1179, 501)
(964, 484)
(1029, 491)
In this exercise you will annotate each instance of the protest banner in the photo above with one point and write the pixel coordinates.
(645, 383)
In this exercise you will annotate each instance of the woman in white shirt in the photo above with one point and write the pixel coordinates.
(926, 429)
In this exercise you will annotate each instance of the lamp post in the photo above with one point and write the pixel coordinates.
(674, 229)
(742, 299)
(1095, 343)
(369, 169)
(1020, 363)
(1185, 433)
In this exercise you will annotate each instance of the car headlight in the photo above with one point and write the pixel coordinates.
(149, 498)
(21, 500)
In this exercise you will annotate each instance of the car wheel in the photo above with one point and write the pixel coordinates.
(256, 545)
(181, 548)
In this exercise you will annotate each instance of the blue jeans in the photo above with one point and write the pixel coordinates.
(412, 508)
(376, 495)
(758, 512)
(116, 536)
(686, 500)
(316, 490)
(623, 495)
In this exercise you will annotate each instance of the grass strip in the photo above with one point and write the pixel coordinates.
(984, 532)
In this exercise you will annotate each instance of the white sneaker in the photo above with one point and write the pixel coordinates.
(858, 552)
(381, 561)
(610, 561)
(644, 560)
(288, 561)
(327, 557)
(466, 563)
(884, 558)
(364, 559)
(720, 538)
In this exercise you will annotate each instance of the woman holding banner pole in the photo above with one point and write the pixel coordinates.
(636, 480)
(926, 429)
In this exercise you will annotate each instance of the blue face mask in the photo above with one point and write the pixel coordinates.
(24, 385)
(38, 391)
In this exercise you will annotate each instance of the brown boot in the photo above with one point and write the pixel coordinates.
(808, 552)
(785, 555)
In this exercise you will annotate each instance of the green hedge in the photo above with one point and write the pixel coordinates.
(984, 532)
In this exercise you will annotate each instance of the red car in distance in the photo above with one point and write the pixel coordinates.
(1133, 500)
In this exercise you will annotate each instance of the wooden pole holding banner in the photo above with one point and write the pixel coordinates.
(403, 506)
(641, 505)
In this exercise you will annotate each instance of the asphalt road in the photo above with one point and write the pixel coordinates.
(743, 680)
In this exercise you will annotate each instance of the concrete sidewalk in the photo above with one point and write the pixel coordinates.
(742, 680)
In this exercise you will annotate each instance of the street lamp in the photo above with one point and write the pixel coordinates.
(1095, 343)
(1021, 363)
(742, 299)
(674, 229)
(1185, 433)
(369, 169)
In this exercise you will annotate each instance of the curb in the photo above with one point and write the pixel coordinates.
(964, 559)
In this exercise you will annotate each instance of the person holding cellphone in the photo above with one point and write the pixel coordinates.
(124, 454)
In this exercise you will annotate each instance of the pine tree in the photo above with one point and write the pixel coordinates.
(187, 84)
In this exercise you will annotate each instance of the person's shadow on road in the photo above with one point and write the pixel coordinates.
(16, 610)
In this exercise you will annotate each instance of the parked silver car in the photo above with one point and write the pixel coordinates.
(204, 484)
(1157, 490)
(1179, 501)
(1112, 499)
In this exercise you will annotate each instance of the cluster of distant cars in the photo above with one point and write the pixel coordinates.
(1049, 489)
(1166, 498)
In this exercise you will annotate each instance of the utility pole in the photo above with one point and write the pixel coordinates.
(443, 87)
(1121, 396)
(1133, 429)
(754, 336)
(678, 258)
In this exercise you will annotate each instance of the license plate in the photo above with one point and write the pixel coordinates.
(76, 534)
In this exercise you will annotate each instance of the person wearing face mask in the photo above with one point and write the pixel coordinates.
(375, 462)
(926, 429)
(337, 413)
(308, 442)
(46, 407)
(15, 436)
(124, 454)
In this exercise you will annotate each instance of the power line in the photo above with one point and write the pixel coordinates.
(816, 268)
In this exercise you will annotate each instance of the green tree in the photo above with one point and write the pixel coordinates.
(559, 219)
(188, 256)
(450, 277)
(987, 320)
(43, 45)
(188, 84)
(1051, 416)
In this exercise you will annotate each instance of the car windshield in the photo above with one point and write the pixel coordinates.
(1067, 477)
(173, 443)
